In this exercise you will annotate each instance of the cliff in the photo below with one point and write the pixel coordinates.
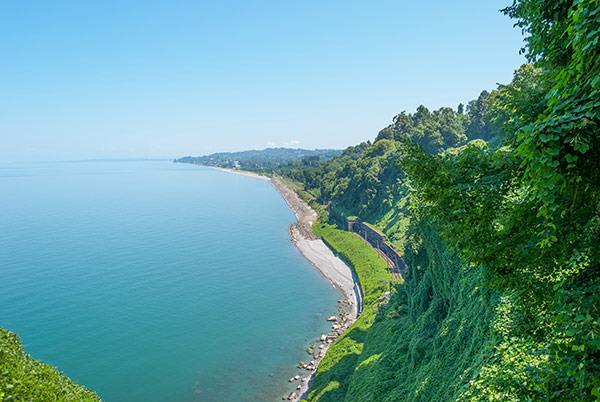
(437, 331)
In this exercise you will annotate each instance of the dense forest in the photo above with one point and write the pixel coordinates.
(496, 208)
(497, 212)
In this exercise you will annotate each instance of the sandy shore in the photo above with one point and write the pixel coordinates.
(240, 172)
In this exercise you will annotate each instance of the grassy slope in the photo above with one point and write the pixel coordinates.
(22, 378)
(368, 265)
(440, 340)
(438, 345)
(336, 368)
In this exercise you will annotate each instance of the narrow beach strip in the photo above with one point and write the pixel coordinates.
(240, 172)
(314, 249)
(331, 267)
(323, 259)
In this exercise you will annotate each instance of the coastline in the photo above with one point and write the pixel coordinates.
(240, 172)
(314, 249)
(328, 264)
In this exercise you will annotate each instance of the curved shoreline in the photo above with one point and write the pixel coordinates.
(328, 264)
(240, 172)
(336, 271)
(314, 249)
(311, 247)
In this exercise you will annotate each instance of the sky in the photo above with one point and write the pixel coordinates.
(164, 79)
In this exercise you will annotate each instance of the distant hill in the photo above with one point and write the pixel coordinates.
(263, 160)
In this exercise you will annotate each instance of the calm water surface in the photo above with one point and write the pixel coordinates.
(155, 281)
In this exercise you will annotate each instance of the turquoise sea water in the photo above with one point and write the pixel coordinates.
(155, 281)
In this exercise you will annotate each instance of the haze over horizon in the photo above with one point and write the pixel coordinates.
(153, 80)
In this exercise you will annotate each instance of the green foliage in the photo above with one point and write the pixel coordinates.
(22, 378)
(476, 181)
(484, 121)
(363, 182)
(529, 211)
(514, 105)
(341, 358)
(428, 345)
(335, 370)
(560, 148)
(434, 131)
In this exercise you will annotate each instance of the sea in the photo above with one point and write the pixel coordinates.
(155, 281)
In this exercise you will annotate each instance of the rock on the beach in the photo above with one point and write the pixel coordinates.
(323, 337)
(296, 377)
(321, 346)
(332, 318)
(299, 387)
(292, 379)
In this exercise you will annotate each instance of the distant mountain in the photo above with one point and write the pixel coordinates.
(262, 160)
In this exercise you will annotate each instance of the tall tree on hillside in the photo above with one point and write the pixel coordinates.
(477, 111)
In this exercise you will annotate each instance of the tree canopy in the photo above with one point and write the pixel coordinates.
(529, 211)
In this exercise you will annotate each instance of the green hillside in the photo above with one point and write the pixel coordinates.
(263, 160)
(436, 332)
(496, 210)
(22, 378)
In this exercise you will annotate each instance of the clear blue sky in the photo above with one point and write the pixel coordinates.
(103, 79)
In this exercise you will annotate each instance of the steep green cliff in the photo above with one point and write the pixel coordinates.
(502, 297)
(427, 345)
